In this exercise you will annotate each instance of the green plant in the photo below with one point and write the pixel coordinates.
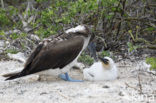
(15, 35)
(132, 47)
(86, 59)
(43, 33)
(12, 51)
(61, 12)
(4, 20)
(150, 29)
(152, 62)
(2, 35)
(104, 53)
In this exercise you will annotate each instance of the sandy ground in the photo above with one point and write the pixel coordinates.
(51, 89)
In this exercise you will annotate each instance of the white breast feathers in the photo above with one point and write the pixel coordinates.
(98, 72)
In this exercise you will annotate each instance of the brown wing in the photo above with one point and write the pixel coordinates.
(53, 56)
(33, 55)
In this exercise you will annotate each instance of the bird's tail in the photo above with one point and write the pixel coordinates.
(13, 75)
(17, 75)
(10, 74)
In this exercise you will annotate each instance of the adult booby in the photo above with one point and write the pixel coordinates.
(60, 52)
(105, 69)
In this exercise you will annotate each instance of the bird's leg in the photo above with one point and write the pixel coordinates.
(67, 78)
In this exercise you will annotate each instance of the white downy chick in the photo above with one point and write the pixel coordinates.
(105, 69)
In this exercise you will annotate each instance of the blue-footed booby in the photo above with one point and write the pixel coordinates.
(60, 52)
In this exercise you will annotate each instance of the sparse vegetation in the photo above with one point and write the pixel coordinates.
(152, 62)
(4, 20)
(105, 53)
(12, 51)
(86, 59)
(116, 23)
(131, 47)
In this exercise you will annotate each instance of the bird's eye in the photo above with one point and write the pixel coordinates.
(104, 60)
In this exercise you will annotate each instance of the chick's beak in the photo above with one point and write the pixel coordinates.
(105, 61)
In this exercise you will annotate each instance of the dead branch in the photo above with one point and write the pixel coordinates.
(150, 73)
(102, 39)
(149, 46)
(122, 13)
(26, 18)
(2, 4)
(131, 86)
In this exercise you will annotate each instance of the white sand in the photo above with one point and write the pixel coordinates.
(51, 89)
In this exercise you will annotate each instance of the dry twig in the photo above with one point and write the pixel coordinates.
(131, 86)
(140, 86)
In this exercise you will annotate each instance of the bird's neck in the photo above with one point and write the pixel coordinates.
(107, 66)
(86, 41)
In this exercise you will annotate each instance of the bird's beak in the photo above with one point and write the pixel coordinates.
(105, 61)
(92, 50)
(92, 45)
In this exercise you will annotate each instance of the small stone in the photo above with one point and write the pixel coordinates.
(105, 86)
(16, 31)
(7, 42)
(43, 93)
(35, 37)
(21, 92)
(121, 93)
(90, 96)
(1, 92)
(2, 43)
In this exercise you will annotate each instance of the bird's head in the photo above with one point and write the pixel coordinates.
(80, 30)
(107, 62)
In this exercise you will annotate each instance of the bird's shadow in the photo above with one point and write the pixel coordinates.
(29, 80)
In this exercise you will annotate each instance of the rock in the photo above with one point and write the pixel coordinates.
(43, 93)
(2, 46)
(27, 29)
(2, 43)
(34, 37)
(105, 86)
(21, 92)
(13, 31)
(19, 56)
(121, 93)
(16, 31)
(7, 42)
(1, 92)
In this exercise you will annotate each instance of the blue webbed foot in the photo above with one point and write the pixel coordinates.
(67, 78)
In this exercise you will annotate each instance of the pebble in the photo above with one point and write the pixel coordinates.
(121, 93)
(105, 86)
